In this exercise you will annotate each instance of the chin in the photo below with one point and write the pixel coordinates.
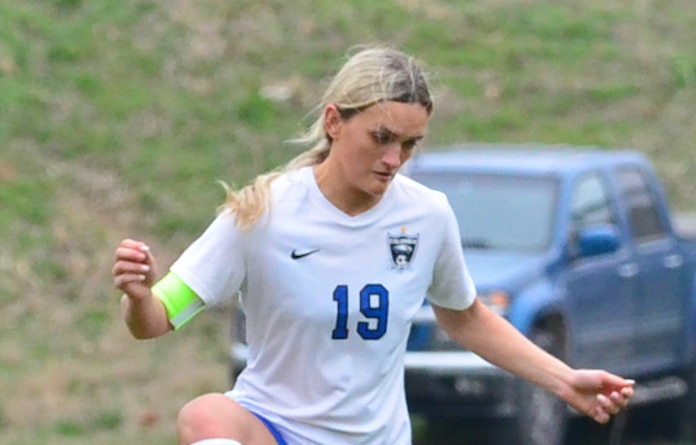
(378, 191)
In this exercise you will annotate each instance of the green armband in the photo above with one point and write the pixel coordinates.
(181, 302)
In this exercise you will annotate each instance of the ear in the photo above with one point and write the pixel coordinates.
(333, 122)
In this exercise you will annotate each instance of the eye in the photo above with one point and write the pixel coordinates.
(410, 144)
(382, 138)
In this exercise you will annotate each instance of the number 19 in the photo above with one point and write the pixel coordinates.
(374, 305)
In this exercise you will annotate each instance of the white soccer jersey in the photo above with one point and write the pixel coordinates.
(329, 299)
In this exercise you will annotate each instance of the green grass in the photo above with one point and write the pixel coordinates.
(118, 118)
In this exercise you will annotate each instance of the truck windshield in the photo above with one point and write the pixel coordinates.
(499, 212)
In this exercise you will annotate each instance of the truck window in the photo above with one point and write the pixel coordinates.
(643, 213)
(499, 212)
(590, 204)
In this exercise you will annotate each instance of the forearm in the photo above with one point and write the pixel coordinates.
(492, 337)
(145, 317)
(597, 393)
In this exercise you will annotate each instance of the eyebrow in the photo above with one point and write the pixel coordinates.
(395, 135)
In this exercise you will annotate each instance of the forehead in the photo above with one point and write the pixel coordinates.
(398, 117)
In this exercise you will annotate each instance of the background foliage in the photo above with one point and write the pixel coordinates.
(118, 118)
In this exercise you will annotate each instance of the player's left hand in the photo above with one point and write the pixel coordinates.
(599, 394)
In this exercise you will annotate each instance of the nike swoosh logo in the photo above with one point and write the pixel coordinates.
(297, 255)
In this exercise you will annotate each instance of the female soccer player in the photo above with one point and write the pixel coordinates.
(332, 256)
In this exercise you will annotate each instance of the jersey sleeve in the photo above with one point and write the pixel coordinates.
(452, 286)
(213, 266)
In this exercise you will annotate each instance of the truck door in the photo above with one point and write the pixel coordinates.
(600, 289)
(660, 313)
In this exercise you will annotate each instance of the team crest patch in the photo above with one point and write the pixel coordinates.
(402, 249)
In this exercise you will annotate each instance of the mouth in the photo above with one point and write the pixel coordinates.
(384, 176)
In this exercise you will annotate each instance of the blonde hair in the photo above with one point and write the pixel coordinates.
(369, 76)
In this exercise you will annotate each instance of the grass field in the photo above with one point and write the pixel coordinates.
(118, 118)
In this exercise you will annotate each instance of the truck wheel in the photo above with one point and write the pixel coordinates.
(542, 418)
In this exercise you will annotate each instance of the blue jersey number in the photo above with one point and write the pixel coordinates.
(374, 305)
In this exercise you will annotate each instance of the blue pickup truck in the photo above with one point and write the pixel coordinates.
(577, 248)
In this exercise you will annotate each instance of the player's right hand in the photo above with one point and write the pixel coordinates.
(134, 269)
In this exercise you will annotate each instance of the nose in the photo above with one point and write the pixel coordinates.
(392, 155)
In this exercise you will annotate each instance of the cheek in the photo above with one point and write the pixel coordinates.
(362, 152)
(355, 159)
(406, 155)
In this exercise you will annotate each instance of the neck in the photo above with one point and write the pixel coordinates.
(349, 200)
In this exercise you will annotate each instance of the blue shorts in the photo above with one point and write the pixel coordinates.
(274, 431)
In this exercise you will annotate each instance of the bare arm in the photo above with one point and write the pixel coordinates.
(596, 393)
(134, 273)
